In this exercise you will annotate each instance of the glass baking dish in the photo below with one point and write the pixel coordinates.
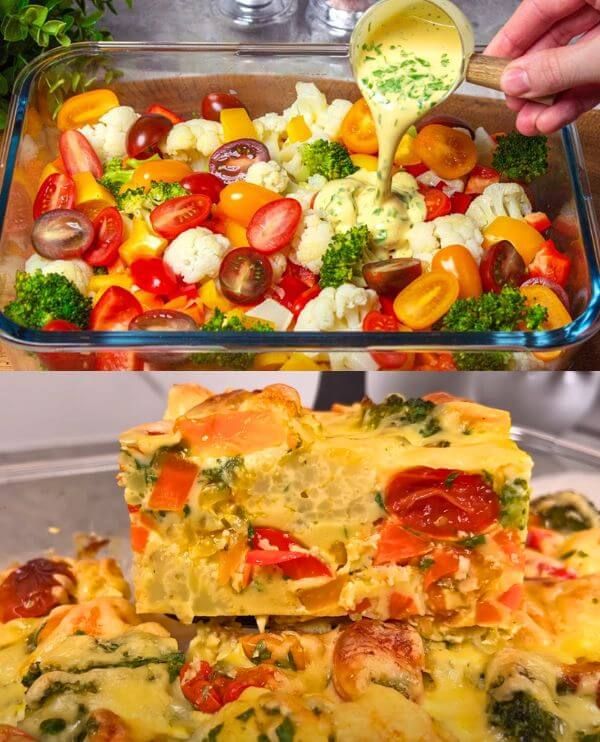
(178, 75)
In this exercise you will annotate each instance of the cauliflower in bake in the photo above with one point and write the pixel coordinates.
(77, 271)
(311, 241)
(269, 175)
(196, 254)
(343, 308)
(426, 238)
(499, 199)
(108, 137)
(193, 141)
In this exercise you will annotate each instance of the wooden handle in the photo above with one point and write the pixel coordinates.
(487, 72)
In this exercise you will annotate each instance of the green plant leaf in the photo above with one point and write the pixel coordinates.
(63, 39)
(13, 30)
(34, 15)
(53, 28)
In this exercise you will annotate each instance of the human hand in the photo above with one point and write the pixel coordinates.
(537, 37)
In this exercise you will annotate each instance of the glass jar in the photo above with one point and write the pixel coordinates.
(255, 13)
(338, 17)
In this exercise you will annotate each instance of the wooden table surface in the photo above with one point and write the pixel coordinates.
(588, 357)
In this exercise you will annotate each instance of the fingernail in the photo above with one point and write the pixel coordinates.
(515, 81)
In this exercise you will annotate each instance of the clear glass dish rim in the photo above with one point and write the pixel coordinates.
(577, 332)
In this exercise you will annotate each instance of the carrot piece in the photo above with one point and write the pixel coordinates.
(174, 483)
(488, 613)
(397, 545)
(513, 597)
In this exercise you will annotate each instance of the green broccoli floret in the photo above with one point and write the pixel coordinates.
(118, 173)
(220, 322)
(395, 410)
(42, 297)
(523, 719)
(522, 158)
(329, 159)
(134, 200)
(345, 256)
(494, 360)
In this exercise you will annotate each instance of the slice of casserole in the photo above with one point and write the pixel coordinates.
(249, 504)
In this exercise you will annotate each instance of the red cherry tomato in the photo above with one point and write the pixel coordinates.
(30, 590)
(378, 322)
(387, 359)
(245, 275)
(108, 230)
(247, 677)
(501, 266)
(64, 361)
(78, 154)
(294, 565)
(437, 203)
(162, 111)
(205, 184)
(56, 192)
(416, 170)
(163, 320)
(114, 310)
(442, 502)
(274, 225)
(461, 202)
(214, 103)
(152, 275)
(232, 161)
(145, 134)
(480, 178)
(178, 214)
(62, 234)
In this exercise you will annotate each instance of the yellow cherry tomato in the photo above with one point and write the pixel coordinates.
(456, 259)
(522, 236)
(142, 242)
(365, 162)
(358, 130)
(169, 171)
(558, 315)
(240, 201)
(85, 108)
(406, 154)
(237, 124)
(88, 189)
(297, 130)
(235, 233)
(427, 299)
(448, 152)
(211, 297)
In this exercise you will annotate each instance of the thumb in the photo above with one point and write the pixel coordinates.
(551, 71)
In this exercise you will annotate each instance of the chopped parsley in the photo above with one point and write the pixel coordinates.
(379, 500)
(472, 541)
(286, 730)
(261, 653)
(53, 726)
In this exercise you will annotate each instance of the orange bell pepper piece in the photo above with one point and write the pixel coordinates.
(175, 480)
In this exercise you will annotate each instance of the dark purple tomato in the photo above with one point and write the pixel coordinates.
(388, 277)
(245, 275)
(145, 134)
(501, 266)
(62, 234)
(444, 120)
(231, 161)
(214, 103)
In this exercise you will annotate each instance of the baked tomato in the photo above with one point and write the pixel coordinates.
(450, 153)
(32, 589)
(208, 690)
(56, 192)
(179, 214)
(273, 548)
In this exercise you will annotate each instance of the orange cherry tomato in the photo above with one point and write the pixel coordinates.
(558, 316)
(456, 259)
(85, 108)
(448, 152)
(358, 130)
(240, 201)
(426, 299)
(169, 171)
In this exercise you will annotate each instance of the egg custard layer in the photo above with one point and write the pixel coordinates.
(249, 504)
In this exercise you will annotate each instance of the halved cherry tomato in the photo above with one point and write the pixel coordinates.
(245, 275)
(62, 234)
(448, 152)
(78, 154)
(557, 288)
(501, 266)
(396, 545)
(240, 201)
(358, 130)
(480, 178)
(169, 171)
(108, 229)
(85, 108)
(524, 238)
(461, 202)
(56, 192)
(167, 113)
(388, 359)
(145, 134)
(442, 502)
(29, 591)
(64, 361)
(179, 214)
(456, 259)
(115, 310)
(214, 103)
(205, 184)
(152, 274)
(551, 264)
(427, 299)
(274, 225)
(437, 203)
(232, 160)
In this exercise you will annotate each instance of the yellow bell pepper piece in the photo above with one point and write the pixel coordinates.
(300, 362)
(405, 154)
(88, 189)
(99, 284)
(85, 108)
(271, 361)
(365, 162)
(142, 243)
(297, 130)
(525, 239)
(235, 233)
(210, 296)
(48, 170)
(237, 125)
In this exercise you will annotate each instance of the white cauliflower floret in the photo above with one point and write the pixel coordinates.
(269, 175)
(109, 136)
(354, 361)
(77, 271)
(329, 122)
(196, 254)
(343, 308)
(193, 141)
(324, 120)
(271, 131)
(499, 199)
(450, 187)
(291, 159)
(311, 241)
(426, 238)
